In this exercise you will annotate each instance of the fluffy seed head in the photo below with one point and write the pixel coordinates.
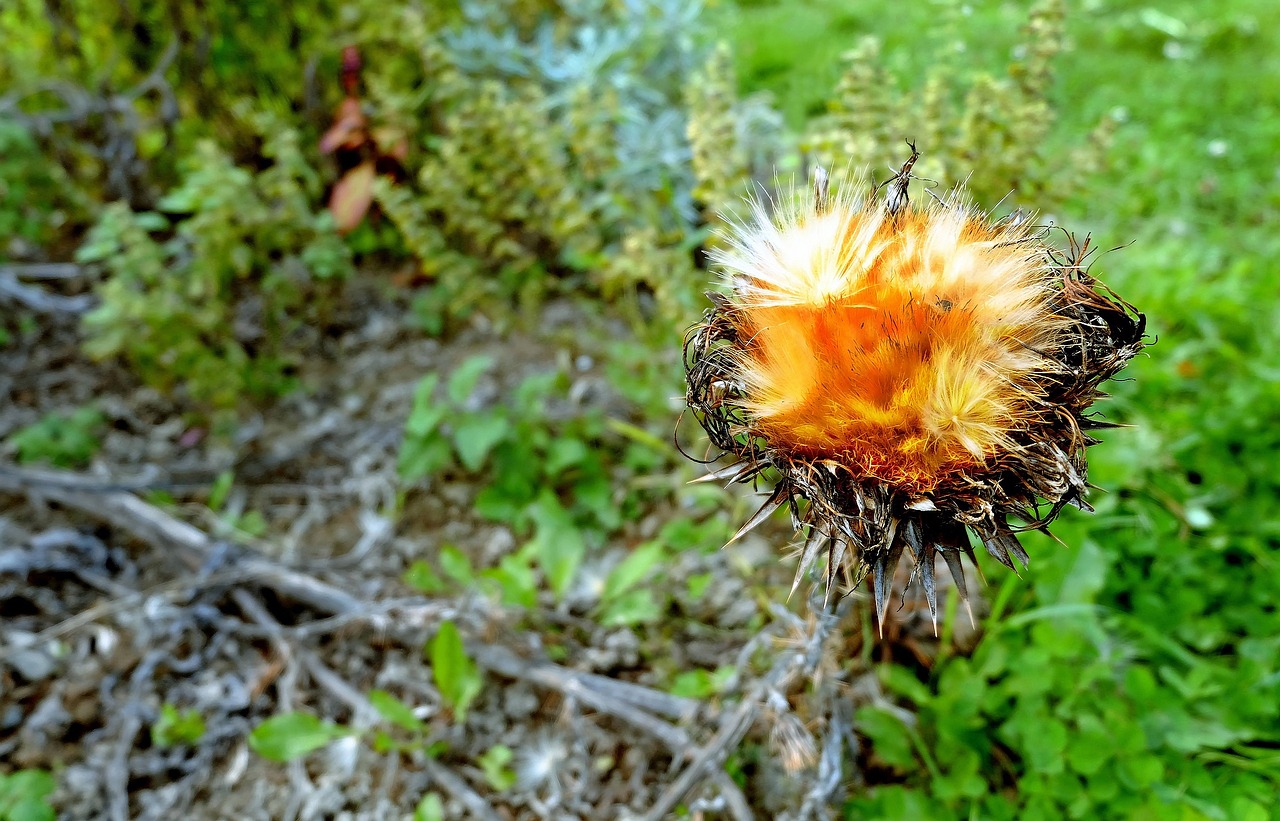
(904, 346)
(907, 371)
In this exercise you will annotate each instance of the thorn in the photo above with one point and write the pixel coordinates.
(997, 550)
(835, 555)
(811, 546)
(952, 558)
(1054, 536)
(930, 586)
(911, 533)
(1080, 503)
(1017, 551)
(885, 566)
(776, 500)
(877, 590)
(730, 472)
(1007, 542)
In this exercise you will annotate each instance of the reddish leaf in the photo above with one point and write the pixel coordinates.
(352, 197)
(350, 69)
(347, 130)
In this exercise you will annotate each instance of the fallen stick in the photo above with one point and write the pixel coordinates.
(709, 758)
(39, 300)
(196, 549)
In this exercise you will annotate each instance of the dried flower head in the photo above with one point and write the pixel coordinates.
(909, 373)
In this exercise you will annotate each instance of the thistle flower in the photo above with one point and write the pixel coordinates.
(908, 374)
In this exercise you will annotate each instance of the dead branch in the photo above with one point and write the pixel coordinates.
(711, 757)
(41, 301)
(44, 270)
(193, 547)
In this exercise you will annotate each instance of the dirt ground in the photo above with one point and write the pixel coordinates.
(113, 606)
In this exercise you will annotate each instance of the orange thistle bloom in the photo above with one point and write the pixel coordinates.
(908, 372)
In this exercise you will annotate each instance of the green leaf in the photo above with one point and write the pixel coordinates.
(30, 809)
(174, 727)
(464, 378)
(1141, 770)
(564, 454)
(475, 436)
(179, 201)
(632, 607)
(423, 578)
(221, 487)
(420, 458)
(424, 450)
(1088, 752)
(639, 435)
(698, 584)
(890, 738)
(396, 711)
(633, 568)
(425, 415)
(430, 808)
(701, 683)
(494, 766)
(516, 581)
(456, 565)
(31, 783)
(383, 742)
(1244, 809)
(1046, 746)
(557, 543)
(23, 794)
(902, 681)
(593, 493)
(292, 735)
(454, 672)
(1086, 576)
(253, 523)
(63, 440)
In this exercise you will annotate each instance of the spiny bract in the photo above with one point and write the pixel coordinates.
(908, 371)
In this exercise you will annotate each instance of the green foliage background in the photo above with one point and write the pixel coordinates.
(1134, 674)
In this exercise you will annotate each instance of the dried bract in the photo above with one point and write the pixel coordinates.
(906, 373)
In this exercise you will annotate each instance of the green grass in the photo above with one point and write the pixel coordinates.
(1133, 674)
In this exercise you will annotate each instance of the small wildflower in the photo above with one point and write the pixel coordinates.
(907, 373)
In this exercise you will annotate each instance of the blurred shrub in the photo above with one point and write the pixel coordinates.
(36, 198)
(61, 439)
(120, 93)
(965, 123)
(557, 146)
(203, 296)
